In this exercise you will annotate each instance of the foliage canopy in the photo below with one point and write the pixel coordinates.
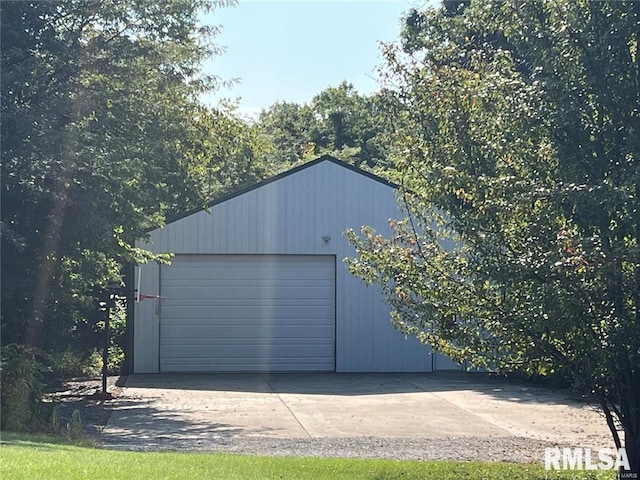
(103, 137)
(520, 128)
(338, 121)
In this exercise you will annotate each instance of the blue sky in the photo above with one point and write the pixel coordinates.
(291, 50)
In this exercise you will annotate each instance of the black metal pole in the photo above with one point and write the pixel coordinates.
(105, 349)
(129, 297)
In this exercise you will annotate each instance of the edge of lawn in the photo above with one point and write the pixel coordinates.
(39, 456)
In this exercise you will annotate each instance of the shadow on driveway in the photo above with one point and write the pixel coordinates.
(180, 409)
(146, 425)
(355, 384)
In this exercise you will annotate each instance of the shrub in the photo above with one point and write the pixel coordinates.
(21, 394)
(74, 427)
(93, 365)
(116, 359)
(66, 363)
(118, 328)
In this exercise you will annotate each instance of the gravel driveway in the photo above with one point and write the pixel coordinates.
(402, 416)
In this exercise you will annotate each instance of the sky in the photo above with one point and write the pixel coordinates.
(292, 50)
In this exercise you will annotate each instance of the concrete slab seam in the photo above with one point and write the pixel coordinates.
(285, 405)
(458, 407)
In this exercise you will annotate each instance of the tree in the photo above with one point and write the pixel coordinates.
(338, 121)
(231, 157)
(520, 123)
(102, 138)
(288, 127)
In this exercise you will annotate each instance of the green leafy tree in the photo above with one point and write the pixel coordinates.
(338, 121)
(520, 177)
(288, 127)
(231, 154)
(102, 138)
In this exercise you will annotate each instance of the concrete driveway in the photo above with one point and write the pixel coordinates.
(190, 407)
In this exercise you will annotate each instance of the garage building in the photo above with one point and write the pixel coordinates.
(258, 283)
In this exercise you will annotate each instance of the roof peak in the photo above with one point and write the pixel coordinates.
(275, 178)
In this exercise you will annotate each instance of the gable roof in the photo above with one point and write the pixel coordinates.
(323, 158)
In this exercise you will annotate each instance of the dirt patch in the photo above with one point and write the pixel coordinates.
(85, 395)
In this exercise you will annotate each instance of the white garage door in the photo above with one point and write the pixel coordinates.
(247, 313)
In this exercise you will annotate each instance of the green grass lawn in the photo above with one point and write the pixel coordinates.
(33, 458)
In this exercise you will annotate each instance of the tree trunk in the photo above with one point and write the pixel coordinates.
(45, 268)
(604, 403)
(632, 447)
(631, 423)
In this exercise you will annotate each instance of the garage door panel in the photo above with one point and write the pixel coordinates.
(250, 271)
(239, 341)
(317, 278)
(175, 308)
(247, 332)
(177, 313)
(248, 290)
(237, 269)
(250, 360)
(248, 313)
(241, 293)
(249, 365)
(265, 352)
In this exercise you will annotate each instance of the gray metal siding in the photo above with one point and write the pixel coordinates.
(442, 362)
(289, 217)
(146, 324)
